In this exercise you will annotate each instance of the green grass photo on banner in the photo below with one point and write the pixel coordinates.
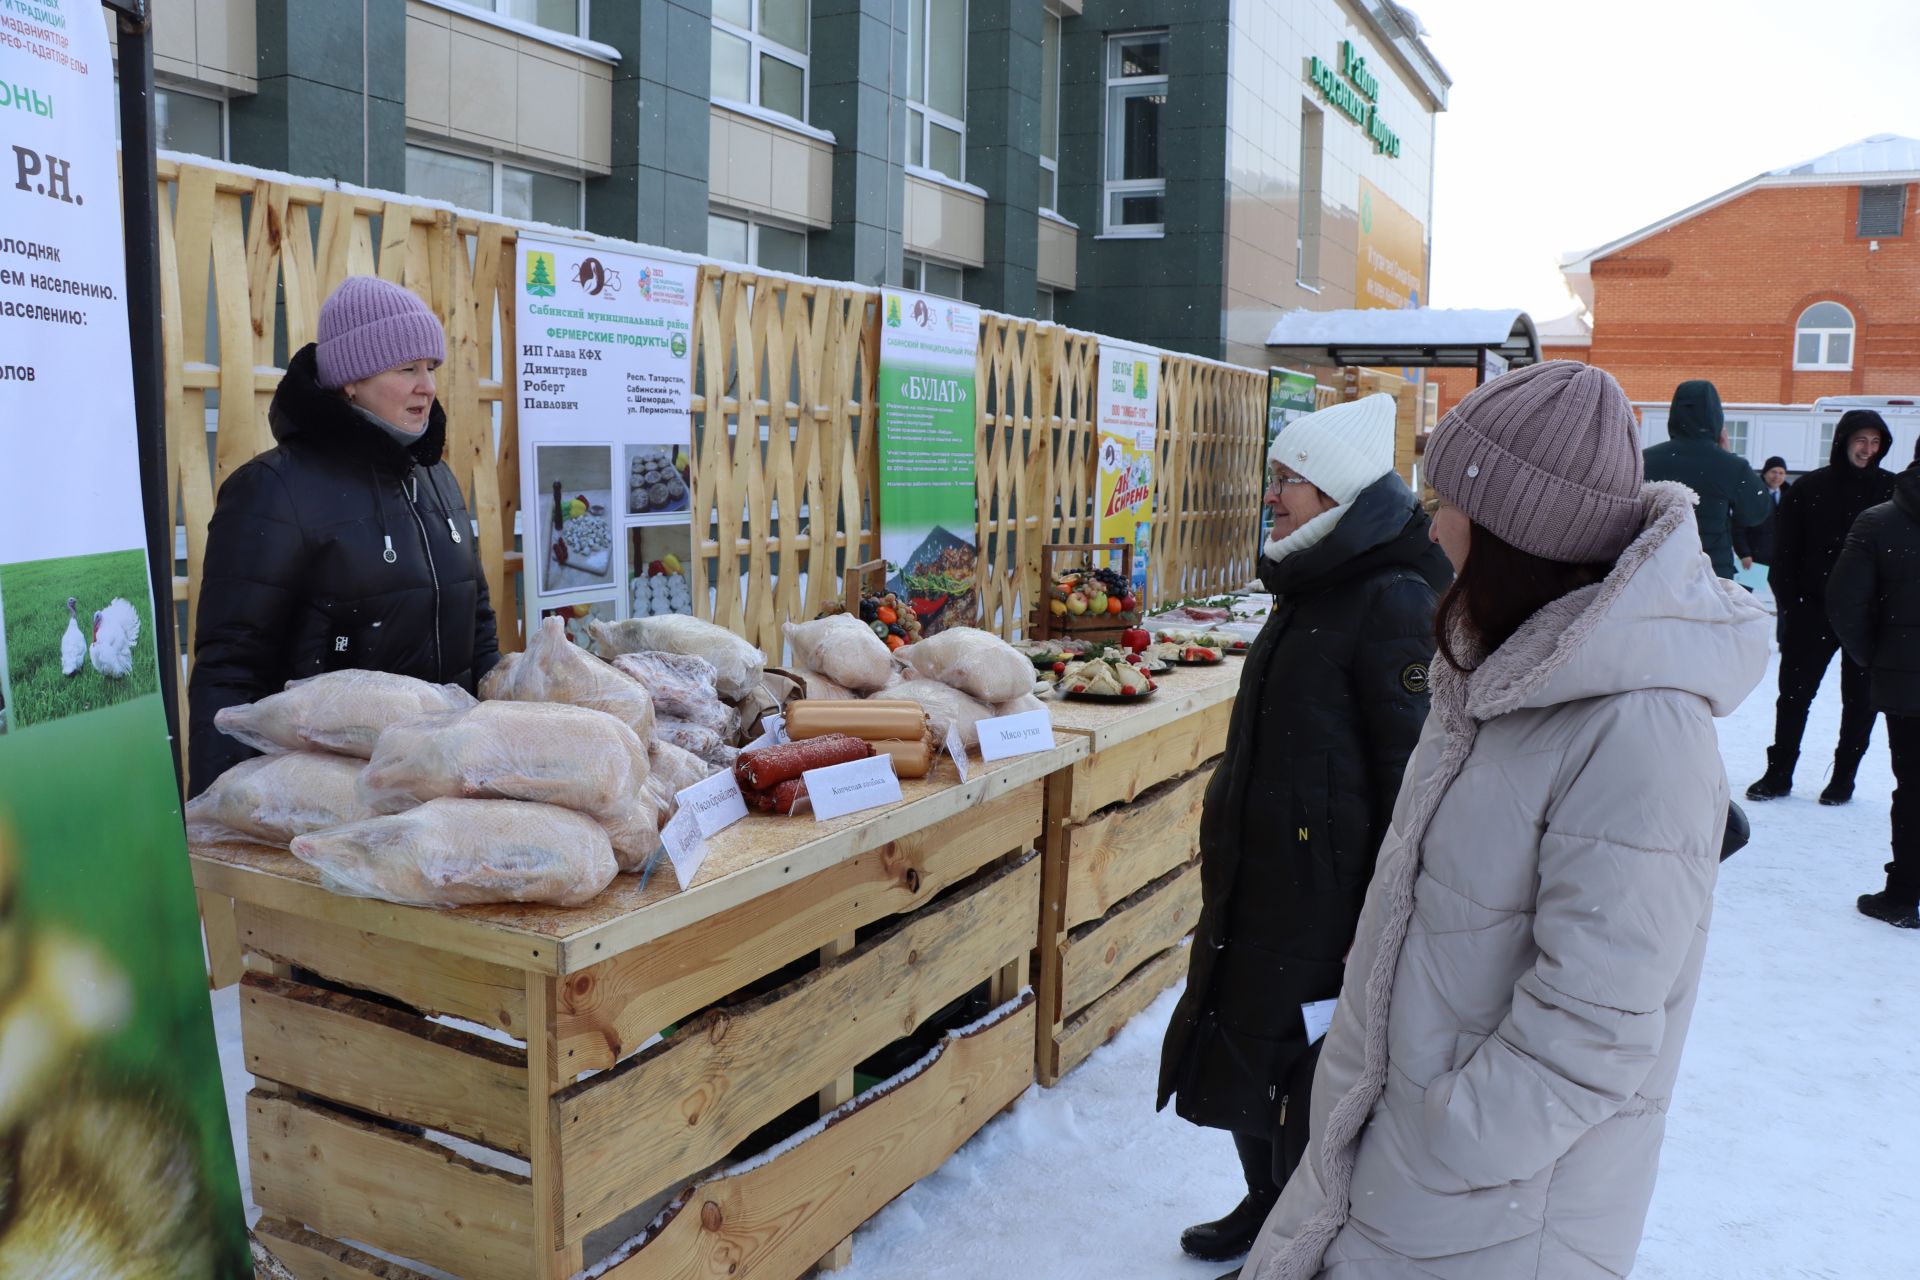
(41, 634)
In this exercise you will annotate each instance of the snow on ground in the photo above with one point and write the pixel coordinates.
(1793, 1151)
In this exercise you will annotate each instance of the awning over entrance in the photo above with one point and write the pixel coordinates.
(1421, 338)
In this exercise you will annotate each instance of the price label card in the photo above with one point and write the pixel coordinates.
(1318, 1016)
(847, 788)
(685, 848)
(957, 749)
(773, 733)
(1004, 736)
(715, 803)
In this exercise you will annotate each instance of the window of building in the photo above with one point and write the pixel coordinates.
(492, 186)
(1827, 431)
(1823, 339)
(1136, 186)
(1043, 304)
(1738, 431)
(189, 122)
(1306, 246)
(1883, 210)
(563, 16)
(1049, 110)
(924, 275)
(937, 86)
(760, 54)
(759, 244)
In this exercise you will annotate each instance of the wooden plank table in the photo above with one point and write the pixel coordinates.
(1120, 876)
(588, 1113)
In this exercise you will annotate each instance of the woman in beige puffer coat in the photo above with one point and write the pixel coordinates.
(1491, 1099)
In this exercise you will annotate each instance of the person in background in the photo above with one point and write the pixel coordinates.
(1815, 516)
(349, 544)
(1695, 454)
(1873, 602)
(1753, 544)
(1492, 1098)
(1331, 701)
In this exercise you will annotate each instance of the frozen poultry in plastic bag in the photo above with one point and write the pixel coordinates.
(555, 669)
(341, 711)
(272, 799)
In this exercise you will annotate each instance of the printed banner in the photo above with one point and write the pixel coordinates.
(928, 348)
(1289, 396)
(113, 1123)
(1129, 409)
(605, 384)
(1390, 263)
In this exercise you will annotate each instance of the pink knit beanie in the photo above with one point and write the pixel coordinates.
(369, 326)
(1546, 457)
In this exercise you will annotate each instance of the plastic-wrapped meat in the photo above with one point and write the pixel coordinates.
(702, 742)
(783, 797)
(272, 799)
(945, 706)
(821, 689)
(341, 711)
(843, 649)
(674, 770)
(555, 669)
(546, 752)
(454, 853)
(766, 767)
(737, 665)
(978, 663)
(684, 687)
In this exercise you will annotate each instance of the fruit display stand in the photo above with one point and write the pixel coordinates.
(1080, 617)
(1120, 871)
(519, 1091)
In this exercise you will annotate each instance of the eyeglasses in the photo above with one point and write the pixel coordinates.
(1286, 480)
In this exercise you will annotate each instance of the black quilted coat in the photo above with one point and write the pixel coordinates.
(340, 548)
(1330, 706)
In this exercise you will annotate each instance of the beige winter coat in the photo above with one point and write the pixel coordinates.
(1491, 1099)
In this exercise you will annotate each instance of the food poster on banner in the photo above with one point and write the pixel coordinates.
(1289, 396)
(605, 382)
(112, 1116)
(1129, 408)
(928, 348)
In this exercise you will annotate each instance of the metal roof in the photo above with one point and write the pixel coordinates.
(1418, 337)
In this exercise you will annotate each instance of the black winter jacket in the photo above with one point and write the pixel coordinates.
(1330, 706)
(1731, 492)
(1873, 597)
(1757, 540)
(340, 548)
(1814, 519)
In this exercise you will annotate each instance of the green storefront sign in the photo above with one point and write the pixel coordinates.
(1354, 91)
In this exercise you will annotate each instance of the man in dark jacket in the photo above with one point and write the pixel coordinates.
(1814, 520)
(1873, 601)
(1753, 544)
(349, 545)
(1695, 454)
(1330, 706)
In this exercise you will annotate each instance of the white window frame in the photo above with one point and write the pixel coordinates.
(499, 166)
(1826, 335)
(913, 274)
(918, 11)
(1739, 435)
(1111, 186)
(758, 44)
(1052, 167)
(205, 95)
(755, 224)
(493, 9)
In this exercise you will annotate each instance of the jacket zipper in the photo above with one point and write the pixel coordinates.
(439, 662)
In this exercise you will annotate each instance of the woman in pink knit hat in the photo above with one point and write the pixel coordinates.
(1491, 1099)
(349, 544)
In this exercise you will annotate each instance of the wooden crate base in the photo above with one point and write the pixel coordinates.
(1100, 1021)
(311, 1256)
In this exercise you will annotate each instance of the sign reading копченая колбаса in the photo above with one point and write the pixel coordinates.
(1357, 96)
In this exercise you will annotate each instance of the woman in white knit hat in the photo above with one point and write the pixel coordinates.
(1330, 705)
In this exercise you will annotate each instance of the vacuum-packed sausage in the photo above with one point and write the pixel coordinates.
(767, 767)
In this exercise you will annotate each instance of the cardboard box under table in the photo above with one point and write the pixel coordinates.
(586, 1125)
(1120, 875)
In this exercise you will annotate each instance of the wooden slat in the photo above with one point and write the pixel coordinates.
(772, 1222)
(354, 1180)
(379, 1060)
(554, 1258)
(312, 1256)
(1123, 848)
(223, 943)
(609, 1009)
(425, 978)
(1093, 963)
(1100, 1021)
(679, 1106)
(1128, 768)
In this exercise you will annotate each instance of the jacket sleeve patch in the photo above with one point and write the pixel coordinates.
(1413, 677)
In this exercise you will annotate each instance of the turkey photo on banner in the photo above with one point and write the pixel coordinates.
(928, 352)
(1129, 408)
(604, 380)
(117, 1157)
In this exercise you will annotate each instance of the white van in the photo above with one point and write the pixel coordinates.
(1800, 433)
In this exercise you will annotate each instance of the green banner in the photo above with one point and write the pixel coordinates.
(1289, 396)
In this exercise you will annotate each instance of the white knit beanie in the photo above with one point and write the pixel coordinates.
(1342, 449)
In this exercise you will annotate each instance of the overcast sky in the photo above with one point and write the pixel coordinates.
(1572, 123)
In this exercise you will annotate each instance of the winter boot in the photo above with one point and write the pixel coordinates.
(1777, 781)
(1228, 1237)
(1879, 906)
(1840, 789)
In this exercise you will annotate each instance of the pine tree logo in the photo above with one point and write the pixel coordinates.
(1139, 380)
(893, 313)
(540, 274)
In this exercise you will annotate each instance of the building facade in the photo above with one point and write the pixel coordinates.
(1174, 171)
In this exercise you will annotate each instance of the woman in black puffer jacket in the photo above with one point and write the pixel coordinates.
(1330, 706)
(349, 545)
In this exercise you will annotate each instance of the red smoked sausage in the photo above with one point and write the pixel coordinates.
(767, 767)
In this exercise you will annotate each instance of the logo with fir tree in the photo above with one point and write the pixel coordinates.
(893, 313)
(1139, 380)
(540, 274)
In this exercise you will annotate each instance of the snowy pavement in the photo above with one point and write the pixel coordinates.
(1793, 1150)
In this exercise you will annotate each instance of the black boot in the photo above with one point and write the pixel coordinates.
(1228, 1237)
(1879, 906)
(1777, 781)
(1840, 789)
